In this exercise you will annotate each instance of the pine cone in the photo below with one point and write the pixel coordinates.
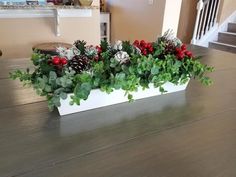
(79, 63)
(170, 48)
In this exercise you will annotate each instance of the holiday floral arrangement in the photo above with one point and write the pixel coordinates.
(125, 66)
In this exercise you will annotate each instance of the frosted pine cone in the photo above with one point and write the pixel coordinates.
(169, 37)
(79, 63)
(91, 51)
(68, 53)
(122, 57)
(118, 45)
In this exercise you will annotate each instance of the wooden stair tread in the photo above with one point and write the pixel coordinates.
(223, 46)
(232, 27)
(233, 23)
(227, 38)
(227, 33)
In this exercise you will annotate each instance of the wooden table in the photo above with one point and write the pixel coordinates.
(185, 134)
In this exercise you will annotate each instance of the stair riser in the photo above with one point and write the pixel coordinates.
(227, 38)
(222, 47)
(232, 27)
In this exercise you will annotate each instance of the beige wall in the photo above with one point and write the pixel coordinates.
(136, 19)
(187, 20)
(227, 8)
(17, 36)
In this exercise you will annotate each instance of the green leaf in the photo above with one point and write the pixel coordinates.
(63, 95)
(82, 91)
(120, 76)
(104, 45)
(98, 67)
(206, 81)
(131, 70)
(64, 82)
(162, 90)
(80, 45)
(69, 82)
(48, 88)
(130, 97)
(42, 83)
(107, 89)
(117, 86)
(155, 70)
(96, 82)
(52, 77)
(85, 77)
(125, 69)
(56, 101)
(58, 81)
(127, 47)
(58, 91)
(113, 63)
(50, 104)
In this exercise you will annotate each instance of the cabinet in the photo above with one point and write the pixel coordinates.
(105, 26)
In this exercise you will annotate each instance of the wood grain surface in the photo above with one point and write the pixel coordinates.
(184, 134)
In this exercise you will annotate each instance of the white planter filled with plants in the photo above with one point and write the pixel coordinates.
(98, 99)
(86, 77)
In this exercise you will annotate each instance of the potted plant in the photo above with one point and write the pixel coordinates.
(86, 77)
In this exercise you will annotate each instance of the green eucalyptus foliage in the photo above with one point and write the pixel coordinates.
(108, 74)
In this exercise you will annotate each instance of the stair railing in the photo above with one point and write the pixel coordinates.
(207, 12)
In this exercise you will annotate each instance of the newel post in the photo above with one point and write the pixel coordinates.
(200, 5)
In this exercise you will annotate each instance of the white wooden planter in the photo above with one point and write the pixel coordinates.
(99, 99)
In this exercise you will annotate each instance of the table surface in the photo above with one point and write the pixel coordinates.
(184, 134)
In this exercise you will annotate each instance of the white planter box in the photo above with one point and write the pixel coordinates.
(99, 99)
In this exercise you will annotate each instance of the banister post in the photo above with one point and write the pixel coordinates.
(200, 5)
(217, 11)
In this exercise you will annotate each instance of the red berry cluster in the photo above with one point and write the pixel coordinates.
(56, 60)
(145, 47)
(183, 52)
(99, 50)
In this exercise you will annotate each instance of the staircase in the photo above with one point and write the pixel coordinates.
(207, 28)
(226, 40)
(206, 21)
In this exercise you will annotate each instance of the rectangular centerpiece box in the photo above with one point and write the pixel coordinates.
(98, 99)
